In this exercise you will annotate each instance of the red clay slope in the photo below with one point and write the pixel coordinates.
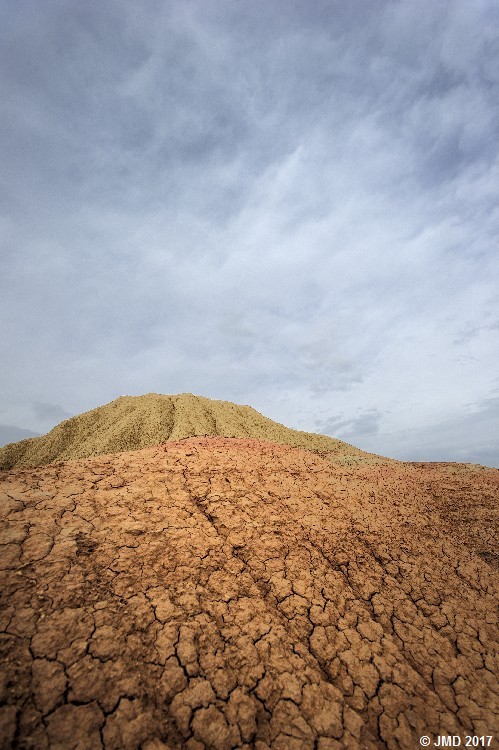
(232, 593)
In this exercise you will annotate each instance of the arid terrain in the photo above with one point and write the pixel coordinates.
(134, 422)
(233, 592)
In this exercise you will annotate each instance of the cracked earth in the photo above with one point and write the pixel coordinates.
(234, 593)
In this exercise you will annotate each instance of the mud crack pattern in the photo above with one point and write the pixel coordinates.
(234, 593)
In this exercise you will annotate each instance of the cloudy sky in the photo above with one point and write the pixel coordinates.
(288, 204)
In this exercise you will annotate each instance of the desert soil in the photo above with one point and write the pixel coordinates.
(135, 422)
(236, 593)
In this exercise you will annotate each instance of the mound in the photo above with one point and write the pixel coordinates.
(234, 593)
(135, 422)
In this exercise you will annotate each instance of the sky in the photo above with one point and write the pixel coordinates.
(288, 204)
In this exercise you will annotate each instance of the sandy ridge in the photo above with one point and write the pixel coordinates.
(135, 422)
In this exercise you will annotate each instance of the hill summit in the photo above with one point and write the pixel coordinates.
(135, 422)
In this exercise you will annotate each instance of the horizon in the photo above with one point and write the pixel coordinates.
(35, 435)
(282, 205)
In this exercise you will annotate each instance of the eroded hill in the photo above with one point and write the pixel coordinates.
(232, 593)
(135, 422)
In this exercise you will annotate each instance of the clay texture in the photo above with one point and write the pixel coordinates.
(236, 593)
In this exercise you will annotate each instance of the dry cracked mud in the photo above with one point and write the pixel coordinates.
(234, 593)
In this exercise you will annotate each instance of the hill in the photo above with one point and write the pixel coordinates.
(238, 593)
(135, 422)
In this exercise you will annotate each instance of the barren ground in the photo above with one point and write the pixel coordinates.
(232, 593)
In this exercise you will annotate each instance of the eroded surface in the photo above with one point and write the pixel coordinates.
(135, 422)
(218, 593)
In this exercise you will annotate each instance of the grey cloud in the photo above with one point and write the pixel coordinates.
(49, 412)
(365, 424)
(470, 437)
(471, 331)
(334, 381)
(246, 200)
(11, 434)
(327, 370)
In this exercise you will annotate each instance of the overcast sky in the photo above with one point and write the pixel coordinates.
(287, 204)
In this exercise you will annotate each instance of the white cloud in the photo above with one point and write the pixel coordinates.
(288, 207)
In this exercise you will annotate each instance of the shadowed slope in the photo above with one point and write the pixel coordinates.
(135, 422)
(233, 593)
